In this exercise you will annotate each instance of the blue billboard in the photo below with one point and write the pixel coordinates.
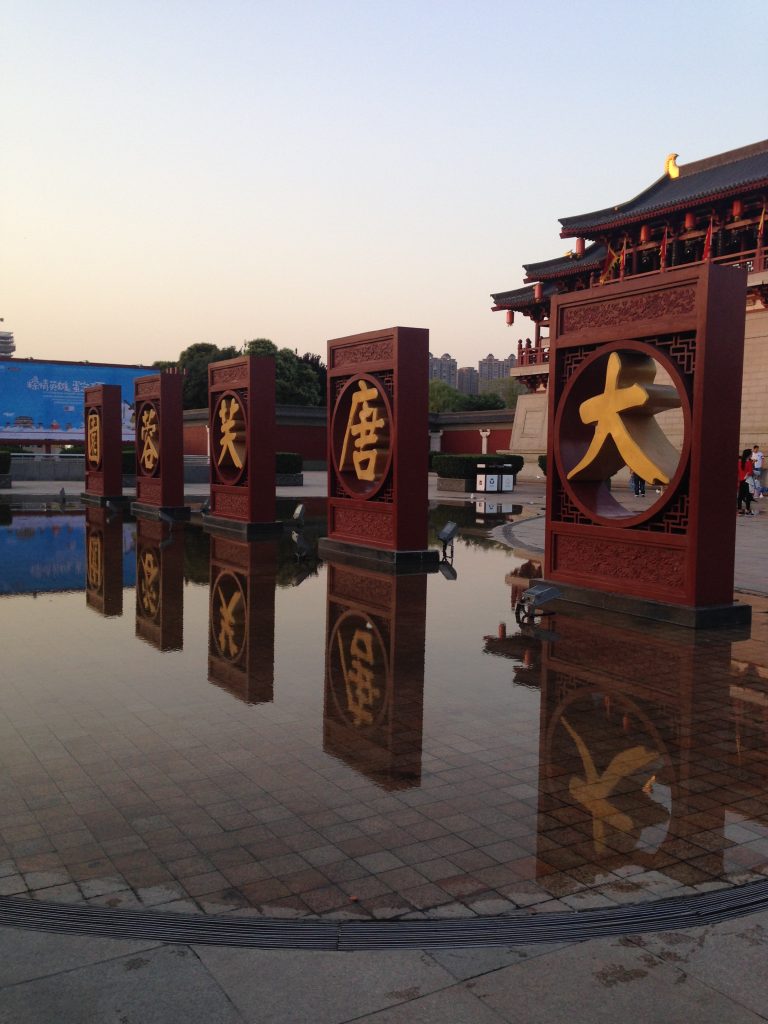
(43, 401)
(43, 554)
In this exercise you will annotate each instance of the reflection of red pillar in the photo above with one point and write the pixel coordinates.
(241, 409)
(622, 690)
(104, 561)
(103, 445)
(159, 447)
(377, 448)
(160, 585)
(241, 632)
(374, 675)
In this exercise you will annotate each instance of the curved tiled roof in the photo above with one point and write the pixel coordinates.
(594, 256)
(716, 177)
(522, 298)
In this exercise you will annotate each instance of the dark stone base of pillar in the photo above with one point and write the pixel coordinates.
(718, 616)
(238, 530)
(102, 500)
(178, 513)
(395, 562)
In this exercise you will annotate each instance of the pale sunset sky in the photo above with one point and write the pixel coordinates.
(214, 170)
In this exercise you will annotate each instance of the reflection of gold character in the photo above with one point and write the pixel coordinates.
(593, 792)
(94, 562)
(231, 439)
(227, 636)
(359, 677)
(637, 436)
(364, 423)
(150, 597)
(149, 453)
(94, 438)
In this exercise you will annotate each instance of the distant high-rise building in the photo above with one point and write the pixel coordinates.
(468, 380)
(492, 369)
(443, 368)
(7, 345)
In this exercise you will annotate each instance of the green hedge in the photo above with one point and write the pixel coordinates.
(5, 461)
(465, 466)
(288, 462)
(543, 464)
(129, 461)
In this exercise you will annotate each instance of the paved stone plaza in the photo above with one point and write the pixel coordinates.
(457, 860)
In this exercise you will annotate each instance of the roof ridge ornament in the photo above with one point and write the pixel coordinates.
(670, 166)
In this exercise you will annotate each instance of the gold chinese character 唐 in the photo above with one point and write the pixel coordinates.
(366, 439)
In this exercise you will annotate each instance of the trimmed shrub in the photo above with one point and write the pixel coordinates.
(5, 461)
(465, 466)
(129, 461)
(543, 464)
(288, 462)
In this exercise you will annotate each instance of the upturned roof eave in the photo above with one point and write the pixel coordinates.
(590, 229)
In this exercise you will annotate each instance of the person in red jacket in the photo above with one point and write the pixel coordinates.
(745, 471)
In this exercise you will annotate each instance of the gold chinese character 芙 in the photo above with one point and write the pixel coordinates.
(150, 455)
(230, 622)
(94, 437)
(625, 427)
(359, 677)
(232, 438)
(366, 429)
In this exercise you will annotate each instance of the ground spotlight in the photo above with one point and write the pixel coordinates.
(531, 601)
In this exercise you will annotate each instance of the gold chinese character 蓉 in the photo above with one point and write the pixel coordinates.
(366, 438)
(150, 455)
(149, 590)
(626, 431)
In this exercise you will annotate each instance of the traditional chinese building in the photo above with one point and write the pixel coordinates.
(712, 209)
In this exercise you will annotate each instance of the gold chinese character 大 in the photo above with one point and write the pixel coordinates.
(366, 439)
(231, 437)
(94, 437)
(625, 428)
(149, 436)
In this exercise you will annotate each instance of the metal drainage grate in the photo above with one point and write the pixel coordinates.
(270, 933)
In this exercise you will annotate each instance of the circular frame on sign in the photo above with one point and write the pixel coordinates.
(341, 424)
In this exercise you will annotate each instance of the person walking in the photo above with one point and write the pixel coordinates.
(745, 471)
(757, 472)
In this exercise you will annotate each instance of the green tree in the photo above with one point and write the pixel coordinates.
(444, 398)
(296, 382)
(487, 400)
(319, 369)
(193, 362)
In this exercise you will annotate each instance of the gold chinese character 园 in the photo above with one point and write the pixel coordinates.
(230, 622)
(623, 415)
(366, 428)
(232, 438)
(94, 437)
(359, 677)
(148, 584)
(94, 561)
(150, 455)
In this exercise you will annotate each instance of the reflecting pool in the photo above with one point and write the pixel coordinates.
(202, 724)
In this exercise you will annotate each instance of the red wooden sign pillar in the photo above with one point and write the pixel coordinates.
(159, 447)
(241, 639)
(160, 584)
(374, 673)
(103, 446)
(378, 441)
(241, 410)
(673, 558)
